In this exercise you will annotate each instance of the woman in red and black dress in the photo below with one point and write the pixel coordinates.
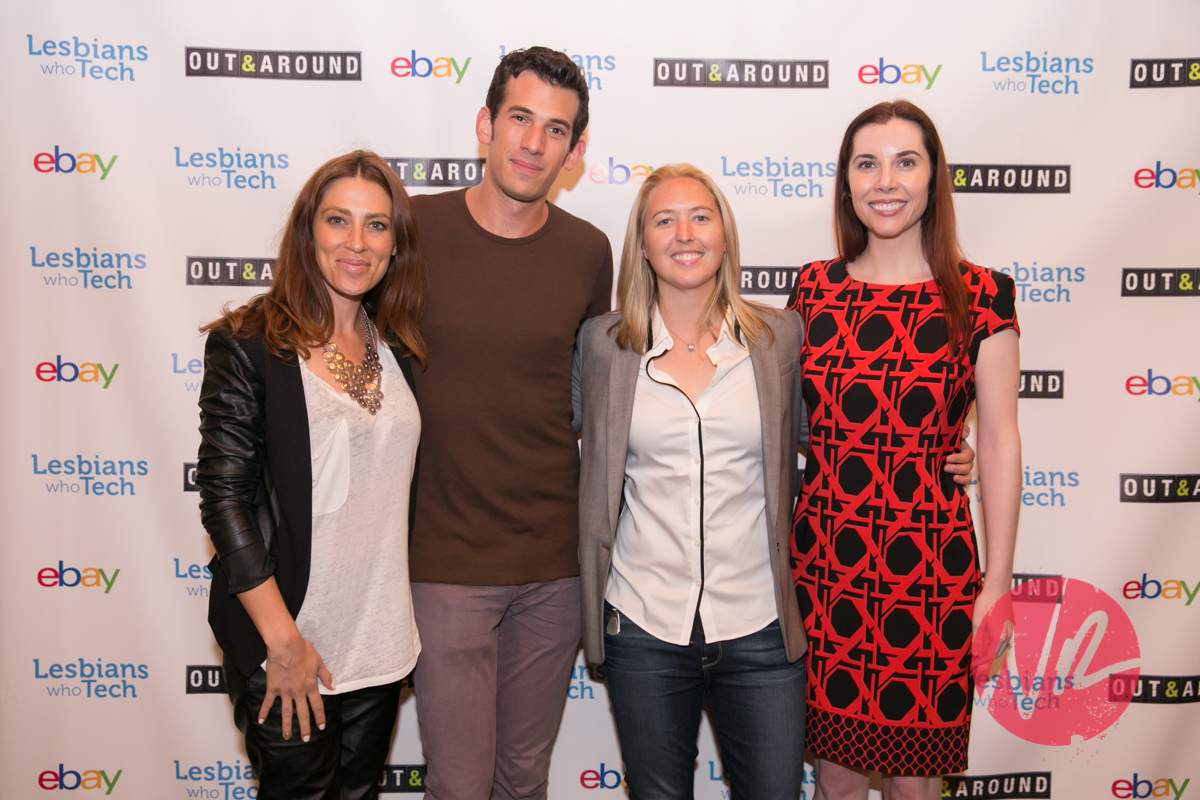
(902, 336)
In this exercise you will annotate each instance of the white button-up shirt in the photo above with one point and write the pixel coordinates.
(694, 530)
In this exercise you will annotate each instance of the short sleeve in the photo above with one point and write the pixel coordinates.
(1001, 314)
(995, 305)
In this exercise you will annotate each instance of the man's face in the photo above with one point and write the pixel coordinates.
(530, 139)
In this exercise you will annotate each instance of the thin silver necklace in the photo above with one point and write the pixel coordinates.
(691, 346)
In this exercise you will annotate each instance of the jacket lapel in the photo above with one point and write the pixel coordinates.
(622, 381)
(766, 380)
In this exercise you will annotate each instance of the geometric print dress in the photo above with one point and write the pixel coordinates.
(883, 549)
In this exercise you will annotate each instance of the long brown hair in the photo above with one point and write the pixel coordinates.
(939, 231)
(637, 285)
(296, 314)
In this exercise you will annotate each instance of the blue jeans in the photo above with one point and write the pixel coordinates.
(755, 699)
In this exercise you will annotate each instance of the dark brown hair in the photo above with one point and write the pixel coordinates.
(296, 314)
(939, 232)
(554, 67)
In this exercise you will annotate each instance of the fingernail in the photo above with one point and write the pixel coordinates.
(305, 738)
(262, 720)
(321, 726)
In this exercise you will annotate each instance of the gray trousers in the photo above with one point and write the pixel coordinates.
(491, 683)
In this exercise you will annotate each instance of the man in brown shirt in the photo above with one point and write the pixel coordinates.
(493, 553)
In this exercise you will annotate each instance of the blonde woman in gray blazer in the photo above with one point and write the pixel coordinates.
(689, 403)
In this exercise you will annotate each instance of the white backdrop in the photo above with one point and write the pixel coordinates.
(109, 212)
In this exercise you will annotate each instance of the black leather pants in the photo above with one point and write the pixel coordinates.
(343, 762)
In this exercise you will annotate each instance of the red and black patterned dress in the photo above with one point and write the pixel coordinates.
(884, 552)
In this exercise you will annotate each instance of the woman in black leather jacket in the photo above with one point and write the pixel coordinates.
(304, 470)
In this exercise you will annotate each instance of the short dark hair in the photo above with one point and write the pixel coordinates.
(554, 67)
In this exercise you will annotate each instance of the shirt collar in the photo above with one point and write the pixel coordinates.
(726, 348)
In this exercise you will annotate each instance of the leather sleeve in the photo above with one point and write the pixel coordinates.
(231, 460)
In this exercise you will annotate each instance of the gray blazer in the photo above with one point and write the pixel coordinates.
(603, 383)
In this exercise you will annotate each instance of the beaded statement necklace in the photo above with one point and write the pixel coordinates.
(361, 381)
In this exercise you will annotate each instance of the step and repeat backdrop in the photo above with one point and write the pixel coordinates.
(150, 155)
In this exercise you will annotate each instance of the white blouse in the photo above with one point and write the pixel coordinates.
(694, 529)
(357, 611)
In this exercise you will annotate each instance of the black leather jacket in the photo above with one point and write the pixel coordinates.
(255, 478)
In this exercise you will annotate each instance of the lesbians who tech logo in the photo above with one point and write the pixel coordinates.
(1011, 178)
(1154, 73)
(91, 477)
(90, 269)
(303, 65)
(96, 60)
(740, 74)
(82, 678)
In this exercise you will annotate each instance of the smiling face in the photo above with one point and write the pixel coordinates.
(682, 235)
(529, 141)
(889, 178)
(353, 235)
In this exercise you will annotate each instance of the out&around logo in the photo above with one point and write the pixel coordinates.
(228, 780)
(402, 779)
(62, 162)
(230, 169)
(59, 371)
(90, 476)
(1161, 385)
(437, 172)
(64, 577)
(1139, 787)
(189, 477)
(1160, 282)
(205, 679)
(1138, 488)
(84, 678)
(1155, 689)
(196, 577)
(1043, 284)
(1041, 384)
(887, 74)
(594, 67)
(1153, 589)
(996, 787)
(778, 177)
(777, 281)
(95, 60)
(229, 271)
(295, 65)
(1154, 73)
(1044, 74)
(1011, 178)
(741, 74)
(72, 779)
(1161, 177)
(414, 66)
(87, 269)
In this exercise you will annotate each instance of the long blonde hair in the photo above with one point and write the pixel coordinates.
(637, 285)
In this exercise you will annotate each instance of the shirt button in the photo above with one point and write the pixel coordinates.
(697, 543)
(697, 583)
(696, 501)
(696, 460)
